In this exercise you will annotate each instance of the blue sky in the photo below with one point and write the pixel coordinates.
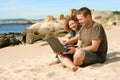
(37, 9)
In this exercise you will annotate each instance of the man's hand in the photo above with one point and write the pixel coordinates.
(71, 51)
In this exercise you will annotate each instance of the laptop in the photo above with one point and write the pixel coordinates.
(56, 45)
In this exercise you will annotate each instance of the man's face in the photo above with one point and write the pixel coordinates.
(82, 20)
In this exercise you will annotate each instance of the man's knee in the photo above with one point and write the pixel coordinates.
(79, 57)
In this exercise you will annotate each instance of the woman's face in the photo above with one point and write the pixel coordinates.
(72, 25)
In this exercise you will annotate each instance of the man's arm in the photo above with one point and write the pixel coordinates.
(94, 47)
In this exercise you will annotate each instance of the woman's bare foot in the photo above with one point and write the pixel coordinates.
(52, 63)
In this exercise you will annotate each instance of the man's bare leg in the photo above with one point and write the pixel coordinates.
(79, 57)
(67, 62)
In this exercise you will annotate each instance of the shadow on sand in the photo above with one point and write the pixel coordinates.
(111, 58)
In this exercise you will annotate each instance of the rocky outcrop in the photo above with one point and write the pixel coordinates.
(12, 39)
(50, 27)
(101, 16)
(4, 41)
(32, 37)
(73, 12)
(35, 26)
(60, 17)
(44, 30)
(49, 18)
(21, 38)
(113, 20)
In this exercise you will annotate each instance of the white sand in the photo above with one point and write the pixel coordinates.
(30, 62)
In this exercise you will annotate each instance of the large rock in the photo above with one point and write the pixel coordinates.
(73, 12)
(49, 18)
(4, 41)
(101, 16)
(35, 26)
(13, 40)
(51, 27)
(31, 37)
(21, 37)
(44, 29)
(60, 17)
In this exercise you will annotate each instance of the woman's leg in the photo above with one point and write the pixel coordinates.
(56, 60)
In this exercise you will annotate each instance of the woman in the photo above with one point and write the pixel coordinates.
(72, 26)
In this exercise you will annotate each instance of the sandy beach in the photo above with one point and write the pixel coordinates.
(30, 62)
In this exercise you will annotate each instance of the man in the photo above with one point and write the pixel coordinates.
(92, 43)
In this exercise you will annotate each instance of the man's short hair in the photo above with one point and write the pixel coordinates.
(84, 11)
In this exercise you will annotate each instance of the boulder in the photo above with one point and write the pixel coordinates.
(35, 26)
(32, 37)
(4, 41)
(50, 27)
(12, 40)
(49, 18)
(73, 12)
(60, 17)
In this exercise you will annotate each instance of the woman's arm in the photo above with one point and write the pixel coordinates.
(72, 40)
(66, 38)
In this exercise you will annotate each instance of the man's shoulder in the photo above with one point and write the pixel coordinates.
(97, 24)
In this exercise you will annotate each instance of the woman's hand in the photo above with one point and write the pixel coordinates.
(64, 43)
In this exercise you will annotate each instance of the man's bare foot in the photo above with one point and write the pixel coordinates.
(64, 66)
(74, 69)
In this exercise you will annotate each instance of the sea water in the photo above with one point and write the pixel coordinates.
(7, 28)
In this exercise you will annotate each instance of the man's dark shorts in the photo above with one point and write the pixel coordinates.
(91, 58)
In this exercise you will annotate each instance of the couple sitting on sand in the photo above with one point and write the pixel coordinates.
(90, 38)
